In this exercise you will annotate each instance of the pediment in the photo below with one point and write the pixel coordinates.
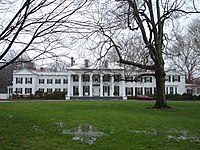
(23, 71)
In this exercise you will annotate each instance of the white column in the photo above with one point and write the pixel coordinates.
(143, 90)
(80, 85)
(69, 86)
(101, 84)
(112, 86)
(123, 88)
(91, 84)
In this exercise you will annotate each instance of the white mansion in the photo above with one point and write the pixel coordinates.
(86, 82)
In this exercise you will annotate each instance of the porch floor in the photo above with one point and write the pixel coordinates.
(96, 98)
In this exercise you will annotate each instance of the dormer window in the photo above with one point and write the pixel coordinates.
(86, 63)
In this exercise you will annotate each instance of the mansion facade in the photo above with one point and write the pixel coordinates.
(86, 82)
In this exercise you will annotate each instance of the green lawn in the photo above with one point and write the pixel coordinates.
(126, 125)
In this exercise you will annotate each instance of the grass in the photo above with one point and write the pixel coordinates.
(126, 125)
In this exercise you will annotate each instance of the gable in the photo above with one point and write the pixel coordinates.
(23, 71)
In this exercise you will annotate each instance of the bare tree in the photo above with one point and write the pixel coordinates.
(35, 27)
(58, 65)
(115, 19)
(185, 55)
(6, 73)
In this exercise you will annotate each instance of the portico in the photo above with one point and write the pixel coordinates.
(94, 84)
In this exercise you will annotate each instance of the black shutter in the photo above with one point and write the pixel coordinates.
(132, 91)
(179, 79)
(169, 78)
(151, 79)
(145, 91)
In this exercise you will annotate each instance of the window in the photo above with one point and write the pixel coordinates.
(49, 81)
(155, 90)
(171, 90)
(175, 88)
(198, 91)
(176, 78)
(139, 91)
(57, 90)
(19, 80)
(116, 91)
(168, 78)
(75, 78)
(49, 90)
(86, 90)
(28, 80)
(166, 90)
(65, 81)
(75, 90)
(129, 91)
(41, 81)
(28, 90)
(65, 90)
(190, 91)
(129, 79)
(147, 90)
(117, 77)
(10, 90)
(57, 81)
(86, 78)
(147, 79)
(96, 78)
(106, 78)
(18, 90)
(140, 79)
(41, 89)
(106, 90)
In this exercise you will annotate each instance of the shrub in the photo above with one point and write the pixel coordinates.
(39, 94)
(184, 96)
(55, 95)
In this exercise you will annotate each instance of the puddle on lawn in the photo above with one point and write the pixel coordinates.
(172, 134)
(86, 134)
(152, 132)
(38, 129)
(179, 135)
(59, 124)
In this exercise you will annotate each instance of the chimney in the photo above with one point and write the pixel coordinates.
(42, 69)
(72, 61)
(106, 63)
(86, 63)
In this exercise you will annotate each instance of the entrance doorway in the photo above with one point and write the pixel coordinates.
(96, 91)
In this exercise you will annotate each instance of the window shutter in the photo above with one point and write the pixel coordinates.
(179, 79)
(169, 78)
(132, 91)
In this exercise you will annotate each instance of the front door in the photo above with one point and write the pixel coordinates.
(96, 91)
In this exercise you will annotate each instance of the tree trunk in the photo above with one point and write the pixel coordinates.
(160, 89)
